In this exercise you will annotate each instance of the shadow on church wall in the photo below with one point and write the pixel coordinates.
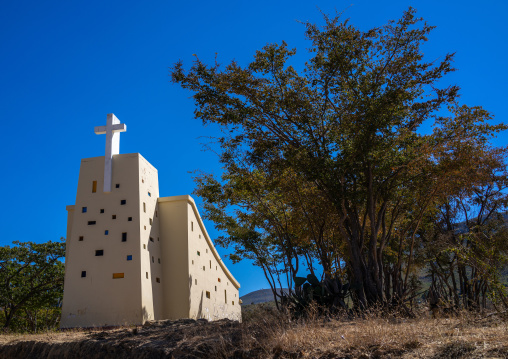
(145, 314)
(200, 308)
(154, 250)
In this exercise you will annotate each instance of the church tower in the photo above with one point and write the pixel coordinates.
(132, 256)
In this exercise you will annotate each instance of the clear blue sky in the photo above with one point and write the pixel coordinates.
(66, 64)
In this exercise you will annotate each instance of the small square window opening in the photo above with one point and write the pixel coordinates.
(80, 238)
(129, 257)
(129, 219)
(83, 274)
(123, 201)
(91, 223)
(208, 294)
(102, 210)
(117, 185)
(99, 252)
(83, 210)
(113, 216)
(106, 232)
(158, 280)
(151, 239)
(149, 194)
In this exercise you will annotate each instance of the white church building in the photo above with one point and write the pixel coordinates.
(132, 256)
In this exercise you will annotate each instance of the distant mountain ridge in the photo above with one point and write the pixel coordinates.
(259, 296)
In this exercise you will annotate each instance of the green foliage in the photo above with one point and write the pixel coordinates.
(328, 294)
(330, 165)
(470, 244)
(31, 284)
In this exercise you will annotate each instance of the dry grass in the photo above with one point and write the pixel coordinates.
(268, 334)
(466, 336)
(377, 337)
(51, 336)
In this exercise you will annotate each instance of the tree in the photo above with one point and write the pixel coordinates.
(469, 240)
(31, 278)
(275, 218)
(350, 126)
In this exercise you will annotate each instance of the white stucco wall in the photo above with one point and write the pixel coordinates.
(98, 299)
(184, 232)
(165, 278)
(175, 266)
(209, 274)
(150, 249)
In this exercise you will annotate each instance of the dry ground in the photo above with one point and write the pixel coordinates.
(265, 334)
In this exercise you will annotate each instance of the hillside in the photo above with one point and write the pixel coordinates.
(259, 296)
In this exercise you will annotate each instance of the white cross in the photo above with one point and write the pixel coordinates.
(112, 131)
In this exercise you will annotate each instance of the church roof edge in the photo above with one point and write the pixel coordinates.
(190, 201)
(134, 154)
(121, 154)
